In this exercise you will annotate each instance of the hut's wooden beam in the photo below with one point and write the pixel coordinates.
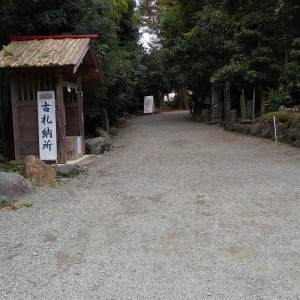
(81, 58)
(62, 157)
(14, 98)
(80, 113)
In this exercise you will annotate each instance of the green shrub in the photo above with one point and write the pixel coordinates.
(248, 131)
(291, 138)
(14, 166)
(283, 116)
(276, 98)
(296, 123)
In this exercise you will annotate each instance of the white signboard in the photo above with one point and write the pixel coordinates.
(149, 105)
(79, 145)
(47, 125)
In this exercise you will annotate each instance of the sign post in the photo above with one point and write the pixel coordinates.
(149, 107)
(47, 125)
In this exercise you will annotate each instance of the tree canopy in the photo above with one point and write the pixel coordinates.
(116, 22)
(248, 43)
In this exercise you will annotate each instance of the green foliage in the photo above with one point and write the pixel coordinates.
(2, 158)
(116, 23)
(94, 98)
(8, 51)
(28, 204)
(55, 182)
(277, 98)
(291, 72)
(12, 166)
(4, 203)
(291, 138)
(243, 42)
(281, 116)
(233, 72)
(296, 123)
(248, 131)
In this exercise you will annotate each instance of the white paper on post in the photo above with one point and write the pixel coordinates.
(79, 145)
(47, 125)
(148, 104)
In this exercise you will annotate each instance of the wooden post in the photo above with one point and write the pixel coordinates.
(62, 156)
(253, 106)
(262, 99)
(227, 100)
(243, 105)
(80, 113)
(14, 99)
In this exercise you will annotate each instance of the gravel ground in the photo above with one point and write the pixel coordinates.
(179, 210)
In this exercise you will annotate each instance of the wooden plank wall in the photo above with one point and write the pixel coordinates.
(28, 130)
(72, 120)
(24, 86)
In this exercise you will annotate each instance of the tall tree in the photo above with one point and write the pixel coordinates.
(115, 22)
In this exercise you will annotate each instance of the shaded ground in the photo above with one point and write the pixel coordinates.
(179, 210)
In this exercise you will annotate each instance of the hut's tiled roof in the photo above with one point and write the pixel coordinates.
(47, 53)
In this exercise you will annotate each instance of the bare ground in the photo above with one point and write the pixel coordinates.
(179, 210)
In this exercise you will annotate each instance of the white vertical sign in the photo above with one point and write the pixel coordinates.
(47, 125)
(79, 145)
(148, 105)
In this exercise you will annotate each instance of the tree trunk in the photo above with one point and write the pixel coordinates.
(243, 105)
(253, 106)
(161, 99)
(216, 105)
(262, 99)
(227, 102)
(286, 56)
(181, 99)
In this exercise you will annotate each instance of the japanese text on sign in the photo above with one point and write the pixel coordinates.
(47, 125)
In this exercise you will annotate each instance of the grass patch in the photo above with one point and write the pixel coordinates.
(296, 123)
(13, 166)
(4, 203)
(248, 131)
(55, 182)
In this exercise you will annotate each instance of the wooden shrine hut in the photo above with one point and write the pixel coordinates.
(44, 69)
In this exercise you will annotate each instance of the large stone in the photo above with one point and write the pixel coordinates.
(298, 135)
(237, 127)
(113, 131)
(249, 109)
(291, 136)
(67, 170)
(97, 145)
(258, 120)
(13, 186)
(297, 144)
(99, 131)
(246, 121)
(257, 128)
(266, 130)
(18, 204)
(121, 122)
(282, 131)
(37, 171)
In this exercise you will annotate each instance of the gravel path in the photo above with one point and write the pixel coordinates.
(179, 210)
